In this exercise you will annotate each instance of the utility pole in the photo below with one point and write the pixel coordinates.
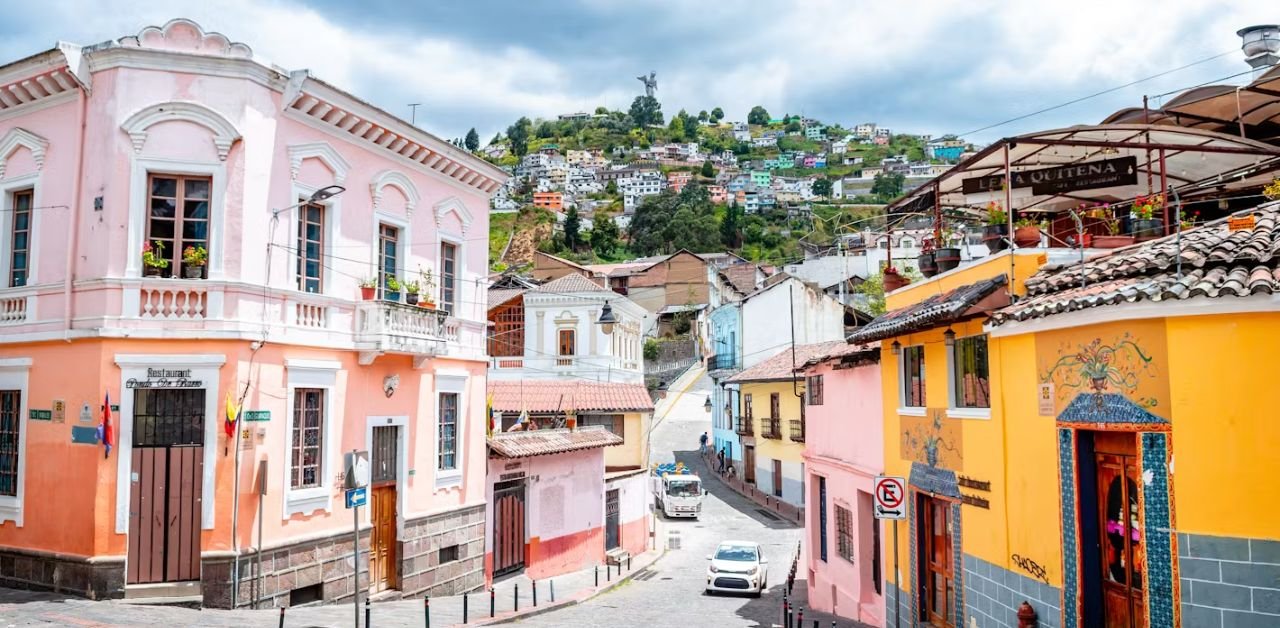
(413, 112)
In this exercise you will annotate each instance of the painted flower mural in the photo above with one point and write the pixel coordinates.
(926, 440)
(1103, 367)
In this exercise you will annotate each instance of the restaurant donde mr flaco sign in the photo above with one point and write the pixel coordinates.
(165, 378)
(1089, 175)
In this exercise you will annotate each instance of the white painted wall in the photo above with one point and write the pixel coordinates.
(616, 357)
(767, 329)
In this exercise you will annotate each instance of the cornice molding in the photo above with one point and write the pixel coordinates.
(322, 151)
(398, 180)
(18, 137)
(453, 205)
(224, 133)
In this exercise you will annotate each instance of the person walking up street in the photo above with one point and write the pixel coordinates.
(721, 457)
(702, 443)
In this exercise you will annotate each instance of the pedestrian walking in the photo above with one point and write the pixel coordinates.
(702, 443)
(721, 457)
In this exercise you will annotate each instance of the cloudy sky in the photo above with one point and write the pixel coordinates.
(924, 67)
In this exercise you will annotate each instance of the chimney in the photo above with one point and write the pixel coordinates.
(1261, 46)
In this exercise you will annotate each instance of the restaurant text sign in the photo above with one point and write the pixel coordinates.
(165, 378)
(1059, 179)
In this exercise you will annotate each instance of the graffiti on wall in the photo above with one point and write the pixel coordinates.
(1036, 570)
(932, 440)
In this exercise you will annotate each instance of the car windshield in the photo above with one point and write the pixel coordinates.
(682, 488)
(742, 553)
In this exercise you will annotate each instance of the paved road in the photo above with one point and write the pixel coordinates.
(671, 592)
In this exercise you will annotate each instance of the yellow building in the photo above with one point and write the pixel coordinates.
(772, 405)
(1105, 452)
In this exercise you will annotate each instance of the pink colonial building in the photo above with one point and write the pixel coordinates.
(844, 452)
(263, 199)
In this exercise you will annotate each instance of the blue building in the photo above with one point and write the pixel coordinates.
(726, 341)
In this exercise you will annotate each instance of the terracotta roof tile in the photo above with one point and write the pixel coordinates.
(573, 282)
(781, 366)
(555, 395)
(741, 276)
(1216, 262)
(498, 296)
(945, 307)
(544, 442)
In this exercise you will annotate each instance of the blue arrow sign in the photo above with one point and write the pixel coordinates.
(357, 497)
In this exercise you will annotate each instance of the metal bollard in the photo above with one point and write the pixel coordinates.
(608, 572)
(628, 562)
(465, 599)
(426, 611)
(597, 575)
(535, 594)
(281, 617)
(492, 602)
(800, 618)
(552, 584)
(368, 610)
(791, 615)
(515, 597)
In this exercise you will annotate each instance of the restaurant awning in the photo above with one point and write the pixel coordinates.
(1251, 110)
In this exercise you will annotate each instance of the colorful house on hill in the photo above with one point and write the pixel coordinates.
(843, 453)
(185, 240)
(772, 394)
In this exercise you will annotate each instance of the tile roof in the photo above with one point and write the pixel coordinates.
(544, 442)
(872, 349)
(573, 282)
(741, 276)
(559, 395)
(498, 296)
(781, 366)
(1216, 262)
(941, 308)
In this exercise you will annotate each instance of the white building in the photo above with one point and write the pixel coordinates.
(839, 147)
(764, 141)
(865, 130)
(638, 186)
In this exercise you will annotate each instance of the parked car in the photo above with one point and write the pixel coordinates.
(738, 567)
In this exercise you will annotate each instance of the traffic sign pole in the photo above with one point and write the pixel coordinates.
(897, 606)
(890, 505)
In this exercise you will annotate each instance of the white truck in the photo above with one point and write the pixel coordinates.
(677, 493)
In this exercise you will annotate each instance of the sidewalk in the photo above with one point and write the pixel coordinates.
(794, 514)
(513, 598)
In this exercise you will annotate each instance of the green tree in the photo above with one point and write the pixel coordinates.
(572, 225)
(676, 127)
(645, 110)
(691, 128)
(602, 111)
(473, 140)
(717, 114)
(708, 170)
(703, 116)
(793, 127)
(668, 222)
(872, 289)
(731, 227)
(822, 187)
(518, 135)
(611, 188)
(604, 234)
(888, 186)
(758, 115)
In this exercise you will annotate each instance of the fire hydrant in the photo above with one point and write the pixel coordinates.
(1027, 616)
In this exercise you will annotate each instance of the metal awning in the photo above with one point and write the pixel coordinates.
(1192, 161)
(1251, 111)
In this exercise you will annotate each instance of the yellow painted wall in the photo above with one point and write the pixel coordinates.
(635, 437)
(783, 448)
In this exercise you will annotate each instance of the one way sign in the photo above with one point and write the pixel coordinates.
(890, 494)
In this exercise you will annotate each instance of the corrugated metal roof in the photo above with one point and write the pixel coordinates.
(546, 442)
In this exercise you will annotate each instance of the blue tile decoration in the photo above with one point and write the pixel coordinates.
(934, 480)
(1107, 408)
(915, 568)
(1156, 527)
(937, 481)
(1070, 575)
(957, 575)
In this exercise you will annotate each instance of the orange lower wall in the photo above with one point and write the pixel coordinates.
(563, 554)
(635, 536)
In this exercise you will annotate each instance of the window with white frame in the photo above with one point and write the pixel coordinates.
(21, 204)
(447, 436)
(307, 443)
(309, 465)
(911, 377)
(970, 382)
(13, 436)
(450, 440)
(178, 220)
(449, 277)
(310, 251)
(388, 256)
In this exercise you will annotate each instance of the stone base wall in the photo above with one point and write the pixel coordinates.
(327, 562)
(1229, 581)
(24, 569)
(992, 596)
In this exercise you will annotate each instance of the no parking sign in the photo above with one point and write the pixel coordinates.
(890, 494)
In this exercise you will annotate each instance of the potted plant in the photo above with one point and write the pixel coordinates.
(1026, 232)
(392, 290)
(1189, 220)
(1145, 224)
(368, 288)
(153, 261)
(194, 259)
(925, 261)
(411, 292)
(893, 279)
(1272, 191)
(947, 256)
(1111, 222)
(427, 287)
(996, 232)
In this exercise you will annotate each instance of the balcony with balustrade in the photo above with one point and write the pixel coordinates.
(771, 427)
(797, 430)
(389, 327)
(743, 426)
(722, 365)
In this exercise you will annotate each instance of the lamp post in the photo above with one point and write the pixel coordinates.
(607, 319)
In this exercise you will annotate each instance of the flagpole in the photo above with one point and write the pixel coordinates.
(235, 514)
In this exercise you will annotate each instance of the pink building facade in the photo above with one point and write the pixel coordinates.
(180, 140)
(844, 452)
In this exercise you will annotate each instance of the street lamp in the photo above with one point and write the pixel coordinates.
(323, 194)
(707, 405)
(949, 337)
(607, 319)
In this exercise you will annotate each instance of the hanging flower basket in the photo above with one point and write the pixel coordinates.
(996, 237)
(893, 280)
(928, 267)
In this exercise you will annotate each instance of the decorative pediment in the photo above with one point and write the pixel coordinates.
(455, 206)
(16, 138)
(322, 151)
(396, 180)
(224, 133)
(184, 35)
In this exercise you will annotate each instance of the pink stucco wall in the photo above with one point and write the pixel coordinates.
(844, 444)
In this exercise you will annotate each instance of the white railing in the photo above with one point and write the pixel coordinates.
(13, 310)
(311, 315)
(173, 300)
(506, 362)
(387, 326)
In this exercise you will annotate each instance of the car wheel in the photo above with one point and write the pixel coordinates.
(709, 593)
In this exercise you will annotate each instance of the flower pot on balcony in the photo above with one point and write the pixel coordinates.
(1111, 241)
(193, 272)
(151, 271)
(411, 298)
(368, 292)
(995, 237)
(571, 423)
(428, 305)
(1148, 229)
(946, 258)
(1026, 236)
(893, 280)
(928, 267)
(394, 297)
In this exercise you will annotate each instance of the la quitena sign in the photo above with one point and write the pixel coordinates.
(1088, 175)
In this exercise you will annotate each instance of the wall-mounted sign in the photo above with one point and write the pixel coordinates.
(506, 477)
(1241, 223)
(974, 484)
(86, 414)
(974, 500)
(40, 415)
(256, 415)
(165, 378)
(59, 411)
(82, 435)
(1044, 399)
(889, 493)
(1089, 175)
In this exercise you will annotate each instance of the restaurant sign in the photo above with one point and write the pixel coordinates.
(1061, 179)
(165, 378)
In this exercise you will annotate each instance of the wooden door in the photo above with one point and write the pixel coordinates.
(777, 478)
(749, 463)
(937, 568)
(612, 526)
(383, 558)
(508, 527)
(165, 500)
(1121, 531)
